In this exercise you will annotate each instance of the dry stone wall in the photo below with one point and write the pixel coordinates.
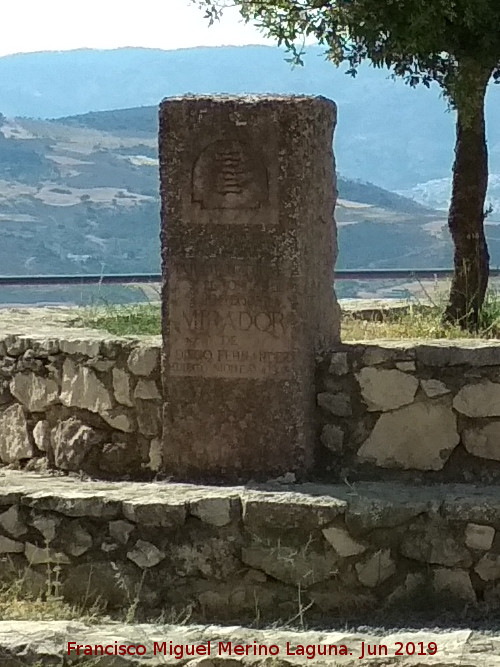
(412, 410)
(81, 403)
(260, 555)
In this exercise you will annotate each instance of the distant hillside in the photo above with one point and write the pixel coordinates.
(74, 192)
(387, 133)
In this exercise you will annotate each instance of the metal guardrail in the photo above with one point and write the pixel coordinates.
(143, 278)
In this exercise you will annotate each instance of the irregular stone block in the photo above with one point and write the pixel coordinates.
(214, 511)
(122, 387)
(120, 530)
(339, 364)
(342, 543)
(12, 523)
(479, 537)
(152, 513)
(15, 443)
(46, 525)
(483, 441)
(337, 404)
(479, 400)
(41, 435)
(155, 455)
(406, 366)
(379, 353)
(488, 567)
(468, 352)
(386, 389)
(43, 556)
(377, 569)
(78, 541)
(245, 313)
(71, 442)
(8, 546)
(456, 583)
(119, 420)
(148, 418)
(147, 390)
(145, 555)
(419, 437)
(144, 360)
(332, 437)
(296, 566)
(434, 388)
(434, 543)
(86, 347)
(34, 392)
(81, 388)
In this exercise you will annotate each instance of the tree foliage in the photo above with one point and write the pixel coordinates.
(419, 40)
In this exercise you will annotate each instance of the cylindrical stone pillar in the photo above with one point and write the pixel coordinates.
(248, 250)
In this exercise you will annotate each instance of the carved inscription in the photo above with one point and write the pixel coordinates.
(230, 175)
(229, 327)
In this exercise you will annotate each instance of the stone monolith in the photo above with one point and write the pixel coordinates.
(248, 250)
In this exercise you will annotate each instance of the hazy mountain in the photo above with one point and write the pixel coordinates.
(74, 192)
(387, 133)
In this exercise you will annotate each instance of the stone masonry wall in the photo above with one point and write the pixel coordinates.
(80, 402)
(411, 410)
(305, 553)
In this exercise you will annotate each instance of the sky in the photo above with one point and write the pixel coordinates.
(59, 25)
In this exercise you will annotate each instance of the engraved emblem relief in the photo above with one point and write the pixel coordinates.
(230, 175)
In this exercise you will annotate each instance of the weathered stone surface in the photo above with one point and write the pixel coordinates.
(337, 404)
(479, 400)
(384, 390)
(293, 514)
(455, 647)
(79, 541)
(341, 541)
(155, 454)
(98, 581)
(153, 513)
(122, 387)
(120, 530)
(15, 443)
(297, 566)
(468, 352)
(214, 511)
(145, 555)
(71, 442)
(434, 388)
(332, 436)
(479, 537)
(377, 569)
(488, 567)
(148, 418)
(90, 346)
(41, 435)
(119, 420)
(82, 388)
(144, 360)
(483, 441)
(339, 364)
(33, 391)
(147, 390)
(43, 556)
(12, 523)
(8, 546)
(456, 583)
(380, 352)
(46, 525)
(266, 300)
(212, 558)
(419, 436)
(434, 543)
(406, 366)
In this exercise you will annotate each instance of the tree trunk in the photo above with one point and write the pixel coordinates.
(466, 214)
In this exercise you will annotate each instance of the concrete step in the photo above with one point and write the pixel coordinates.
(257, 554)
(48, 643)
